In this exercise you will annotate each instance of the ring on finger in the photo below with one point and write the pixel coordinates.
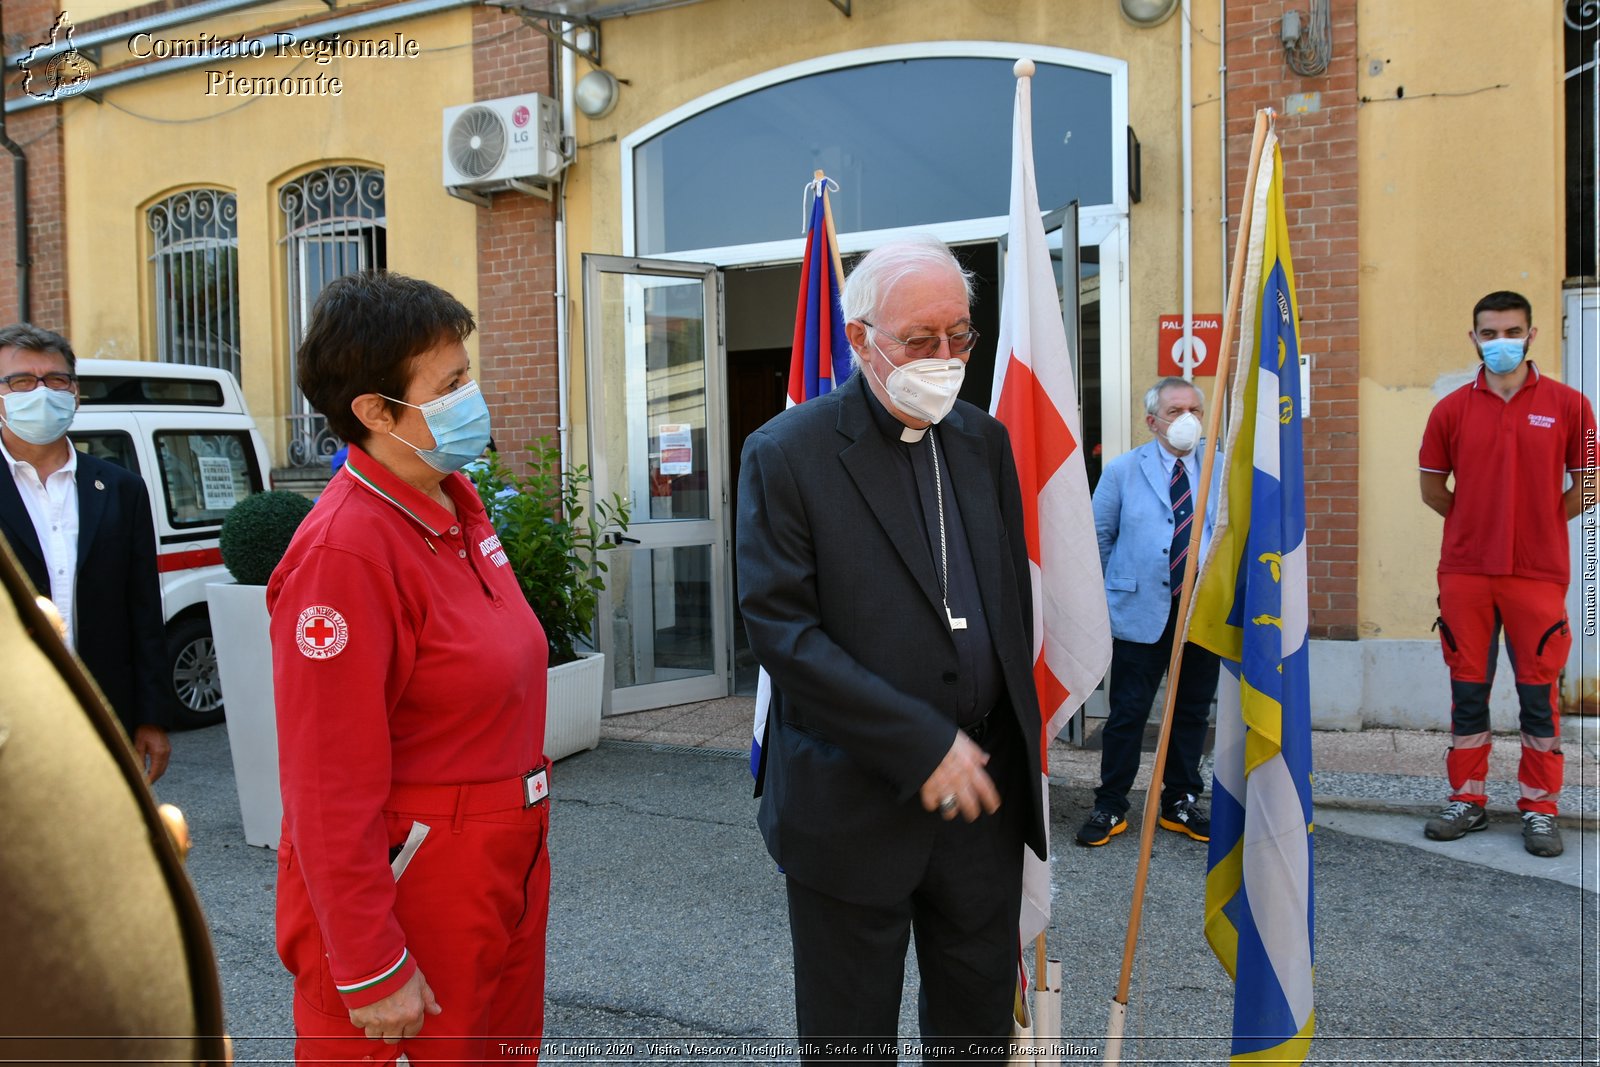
(947, 804)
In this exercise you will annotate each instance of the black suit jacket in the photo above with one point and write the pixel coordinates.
(117, 594)
(840, 597)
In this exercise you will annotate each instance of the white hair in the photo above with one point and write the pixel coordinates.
(1152, 396)
(874, 278)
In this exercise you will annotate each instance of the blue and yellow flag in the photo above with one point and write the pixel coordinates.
(1251, 610)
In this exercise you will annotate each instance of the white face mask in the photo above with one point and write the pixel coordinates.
(924, 388)
(1184, 432)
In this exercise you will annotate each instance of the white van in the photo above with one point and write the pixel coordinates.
(184, 430)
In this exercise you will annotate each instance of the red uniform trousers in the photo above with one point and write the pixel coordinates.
(1473, 608)
(473, 902)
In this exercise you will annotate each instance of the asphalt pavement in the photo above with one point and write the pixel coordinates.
(669, 940)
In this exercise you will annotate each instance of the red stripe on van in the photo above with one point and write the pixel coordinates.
(184, 561)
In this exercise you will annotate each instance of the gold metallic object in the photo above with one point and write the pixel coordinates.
(177, 828)
(52, 613)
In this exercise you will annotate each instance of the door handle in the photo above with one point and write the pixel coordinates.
(618, 538)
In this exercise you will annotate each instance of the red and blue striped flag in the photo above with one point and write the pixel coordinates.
(819, 361)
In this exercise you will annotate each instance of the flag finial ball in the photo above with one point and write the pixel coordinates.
(1022, 68)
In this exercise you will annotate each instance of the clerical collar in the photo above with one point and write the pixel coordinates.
(887, 424)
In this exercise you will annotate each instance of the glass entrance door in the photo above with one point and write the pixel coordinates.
(654, 360)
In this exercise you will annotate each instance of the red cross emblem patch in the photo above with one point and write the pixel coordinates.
(321, 632)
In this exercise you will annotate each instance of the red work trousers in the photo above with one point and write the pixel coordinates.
(473, 902)
(1473, 609)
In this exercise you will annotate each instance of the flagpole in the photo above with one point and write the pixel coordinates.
(1147, 824)
(827, 214)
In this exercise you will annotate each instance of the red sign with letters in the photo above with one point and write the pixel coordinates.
(1206, 338)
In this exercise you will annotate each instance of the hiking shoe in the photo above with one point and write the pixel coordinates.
(1101, 827)
(1185, 817)
(1459, 817)
(1540, 835)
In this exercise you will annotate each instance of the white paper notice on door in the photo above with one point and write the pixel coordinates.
(217, 492)
(677, 448)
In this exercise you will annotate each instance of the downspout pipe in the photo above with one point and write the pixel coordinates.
(19, 204)
(1222, 136)
(563, 295)
(1187, 107)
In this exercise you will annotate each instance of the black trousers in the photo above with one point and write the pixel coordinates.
(1136, 673)
(849, 959)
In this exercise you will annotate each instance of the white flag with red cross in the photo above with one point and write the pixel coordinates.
(1035, 397)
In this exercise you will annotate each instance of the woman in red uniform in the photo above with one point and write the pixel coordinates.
(413, 878)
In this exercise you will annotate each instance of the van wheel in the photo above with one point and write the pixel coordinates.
(192, 666)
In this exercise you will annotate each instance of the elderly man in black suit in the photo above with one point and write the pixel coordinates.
(82, 530)
(884, 584)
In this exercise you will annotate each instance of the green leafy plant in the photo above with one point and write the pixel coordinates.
(257, 531)
(554, 543)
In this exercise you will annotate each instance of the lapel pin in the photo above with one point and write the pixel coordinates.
(98, 484)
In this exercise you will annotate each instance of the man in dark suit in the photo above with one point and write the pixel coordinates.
(82, 529)
(884, 583)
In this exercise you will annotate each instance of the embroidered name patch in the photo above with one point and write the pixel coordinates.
(490, 546)
(321, 632)
(1544, 422)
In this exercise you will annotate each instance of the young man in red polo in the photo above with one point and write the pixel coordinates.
(1514, 440)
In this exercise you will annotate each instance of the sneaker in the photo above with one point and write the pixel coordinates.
(1101, 827)
(1459, 817)
(1540, 835)
(1185, 817)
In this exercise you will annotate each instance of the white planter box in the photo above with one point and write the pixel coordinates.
(239, 626)
(244, 662)
(572, 717)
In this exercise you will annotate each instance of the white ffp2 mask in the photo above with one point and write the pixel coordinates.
(925, 388)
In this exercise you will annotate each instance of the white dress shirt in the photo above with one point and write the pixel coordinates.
(1191, 464)
(53, 506)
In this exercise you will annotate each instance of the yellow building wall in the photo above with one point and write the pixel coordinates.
(1460, 194)
(151, 138)
(671, 57)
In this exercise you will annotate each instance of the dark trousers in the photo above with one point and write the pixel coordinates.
(849, 959)
(1136, 673)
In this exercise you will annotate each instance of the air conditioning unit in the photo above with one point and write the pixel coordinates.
(496, 145)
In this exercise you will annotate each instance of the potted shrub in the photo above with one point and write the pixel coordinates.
(253, 539)
(556, 546)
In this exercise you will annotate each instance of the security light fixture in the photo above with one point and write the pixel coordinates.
(1147, 13)
(596, 93)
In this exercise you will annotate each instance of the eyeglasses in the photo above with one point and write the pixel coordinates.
(924, 345)
(27, 383)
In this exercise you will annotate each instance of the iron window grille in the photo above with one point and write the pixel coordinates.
(334, 224)
(195, 278)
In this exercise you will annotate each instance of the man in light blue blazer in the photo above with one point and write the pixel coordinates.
(1143, 512)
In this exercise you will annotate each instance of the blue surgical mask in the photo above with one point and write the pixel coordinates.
(1502, 354)
(40, 415)
(459, 422)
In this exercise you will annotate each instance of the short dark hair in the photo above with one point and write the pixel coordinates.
(1503, 300)
(366, 330)
(31, 338)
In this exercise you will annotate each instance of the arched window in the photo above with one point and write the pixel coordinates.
(334, 223)
(194, 267)
(913, 140)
